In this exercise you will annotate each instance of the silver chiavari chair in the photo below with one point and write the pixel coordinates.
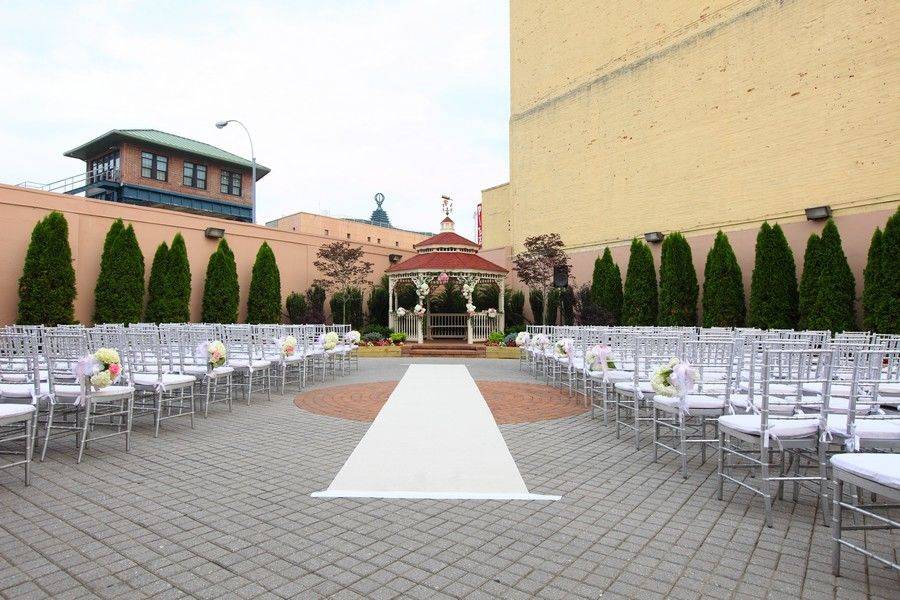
(213, 384)
(19, 396)
(251, 370)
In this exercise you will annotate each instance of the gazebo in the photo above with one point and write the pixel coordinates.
(439, 259)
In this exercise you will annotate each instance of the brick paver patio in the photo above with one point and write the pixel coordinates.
(224, 511)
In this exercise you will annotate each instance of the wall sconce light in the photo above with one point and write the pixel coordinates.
(394, 258)
(654, 237)
(214, 233)
(818, 213)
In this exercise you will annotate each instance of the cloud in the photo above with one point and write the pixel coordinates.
(346, 99)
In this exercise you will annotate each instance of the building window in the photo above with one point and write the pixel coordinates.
(194, 175)
(231, 183)
(326, 232)
(379, 240)
(105, 168)
(397, 244)
(369, 238)
(154, 166)
(348, 236)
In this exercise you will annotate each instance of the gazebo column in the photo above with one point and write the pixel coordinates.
(428, 315)
(391, 315)
(501, 305)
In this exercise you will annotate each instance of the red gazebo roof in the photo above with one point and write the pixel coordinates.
(446, 261)
(447, 238)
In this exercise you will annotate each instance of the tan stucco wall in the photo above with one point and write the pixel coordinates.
(89, 220)
(348, 231)
(677, 115)
(496, 225)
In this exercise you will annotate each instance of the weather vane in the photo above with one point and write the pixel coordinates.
(446, 205)
(379, 199)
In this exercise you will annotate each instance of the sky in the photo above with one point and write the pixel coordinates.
(343, 98)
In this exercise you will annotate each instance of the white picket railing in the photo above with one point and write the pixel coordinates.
(408, 324)
(447, 325)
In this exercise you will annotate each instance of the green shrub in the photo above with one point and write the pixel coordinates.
(552, 311)
(156, 287)
(264, 300)
(567, 303)
(513, 330)
(834, 308)
(773, 286)
(640, 299)
(606, 286)
(120, 284)
(495, 337)
(487, 295)
(354, 307)
(372, 336)
(678, 287)
(723, 286)
(536, 302)
(812, 268)
(873, 292)
(398, 337)
(103, 293)
(515, 307)
(888, 319)
(589, 313)
(47, 285)
(378, 303)
(448, 300)
(509, 340)
(178, 283)
(406, 297)
(296, 308)
(221, 290)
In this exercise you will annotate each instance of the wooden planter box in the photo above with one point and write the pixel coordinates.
(501, 352)
(380, 351)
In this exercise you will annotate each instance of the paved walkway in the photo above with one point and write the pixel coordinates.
(224, 511)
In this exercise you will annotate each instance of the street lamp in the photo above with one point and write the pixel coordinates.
(221, 125)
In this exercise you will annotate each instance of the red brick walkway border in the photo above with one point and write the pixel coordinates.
(509, 402)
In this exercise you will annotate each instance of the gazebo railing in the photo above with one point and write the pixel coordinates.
(482, 326)
(407, 324)
(447, 325)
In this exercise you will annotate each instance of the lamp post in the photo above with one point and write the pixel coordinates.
(221, 125)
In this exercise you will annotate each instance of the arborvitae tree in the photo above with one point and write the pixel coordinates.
(678, 287)
(354, 307)
(220, 292)
(773, 286)
(47, 285)
(835, 286)
(378, 302)
(156, 287)
(809, 280)
(123, 281)
(515, 307)
(552, 306)
(889, 308)
(606, 286)
(640, 297)
(567, 303)
(723, 286)
(264, 301)
(536, 302)
(315, 298)
(296, 308)
(178, 283)
(103, 297)
(487, 295)
(873, 294)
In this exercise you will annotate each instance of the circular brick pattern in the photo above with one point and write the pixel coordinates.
(509, 402)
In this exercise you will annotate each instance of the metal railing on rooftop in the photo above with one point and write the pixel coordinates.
(75, 182)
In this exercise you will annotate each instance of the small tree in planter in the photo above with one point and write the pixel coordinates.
(773, 286)
(536, 264)
(47, 285)
(264, 300)
(221, 290)
(156, 287)
(606, 286)
(640, 299)
(342, 268)
(723, 286)
(873, 292)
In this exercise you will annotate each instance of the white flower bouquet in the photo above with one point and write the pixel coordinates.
(674, 378)
(470, 309)
(492, 313)
(288, 346)
(563, 346)
(330, 341)
(103, 367)
(523, 338)
(540, 341)
(419, 310)
(601, 357)
(353, 337)
(401, 312)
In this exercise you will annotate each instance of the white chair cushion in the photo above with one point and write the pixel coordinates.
(243, 363)
(11, 413)
(614, 375)
(867, 429)
(842, 405)
(837, 389)
(168, 379)
(890, 389)
(696, 401)
(880, 468)
(199, 371)
(628, 387)
(782, 428)
(19, 390)
(295, 357)
(73, 391)
(777, 406)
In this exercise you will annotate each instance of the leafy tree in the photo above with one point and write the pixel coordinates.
(122, 284)
(342, 268)
(536, 302)
(156, 287)
(567, 302)
(296, 308)
(407, 298)
(487, 295)
(589, 312)
(552, 309)
(873, 293)
(102, 294)
(448, 300)
(606, 286)
(178, 283)
(378, 303)
(221, 291)
(773, 286)
(889, 309)
(835, 286)
(352, 305)
(640, 298)
(535, 265)
(47, 285)
(514, 308)
(678, 287)
(264, 300)
(723, 286)
(809, 280)
(315, 297)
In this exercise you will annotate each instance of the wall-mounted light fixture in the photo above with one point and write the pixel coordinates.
(818, 213)
(394, 258)
(654, 237)
(214, 233)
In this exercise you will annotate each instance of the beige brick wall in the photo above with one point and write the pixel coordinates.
(662, 116)
(495, 217)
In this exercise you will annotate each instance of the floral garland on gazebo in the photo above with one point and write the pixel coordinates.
(468, 290)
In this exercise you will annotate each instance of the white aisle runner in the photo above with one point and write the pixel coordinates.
(434, 438)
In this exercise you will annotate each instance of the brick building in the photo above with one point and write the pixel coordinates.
(153, 168)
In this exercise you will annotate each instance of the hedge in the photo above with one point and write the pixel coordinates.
(677, 283)
(156, 287)
(121, 283)
(606, 285)
(221, 290)
(640, 298)
(264, 300)
(47, 285)
(723, 286)
(773, 286)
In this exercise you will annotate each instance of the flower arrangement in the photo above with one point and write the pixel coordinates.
(563, 346)
(443, 279)
(470, 309)
(419, 311)
(401, 312)
(212, 353)
(523, 338)
(330, 341)
(103, 367)
(422, 289)
(674, 378)
(288, 346)
(492, 313)
(540, 341)
(352, 337)
(601, 356)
